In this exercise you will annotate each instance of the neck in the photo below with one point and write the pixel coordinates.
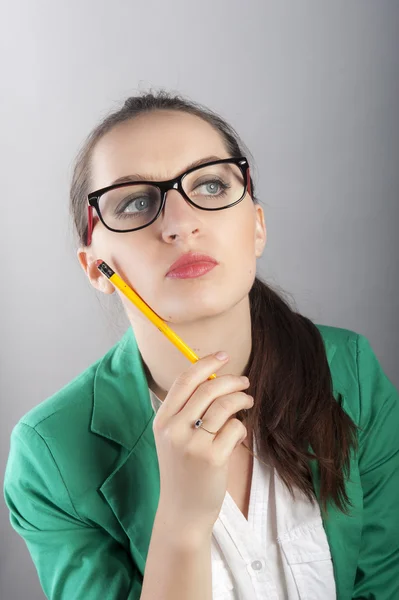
(163, 362)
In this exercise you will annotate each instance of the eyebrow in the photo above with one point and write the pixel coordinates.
(145, 177)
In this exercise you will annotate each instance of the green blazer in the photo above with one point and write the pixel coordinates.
(82, 479)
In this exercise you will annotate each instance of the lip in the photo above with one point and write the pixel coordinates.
(190, 271)
(191, 260)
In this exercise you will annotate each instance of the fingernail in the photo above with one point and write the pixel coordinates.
(221, 355)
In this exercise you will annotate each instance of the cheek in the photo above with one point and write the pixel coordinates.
(243, 253)
(125, 256)
(134, 267)
(239, 239)
(138, 275)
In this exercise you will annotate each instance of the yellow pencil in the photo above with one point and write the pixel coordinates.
(148, 312)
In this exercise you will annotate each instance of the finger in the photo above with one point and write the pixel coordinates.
(186, 384)
(221, 396)
(227, 439)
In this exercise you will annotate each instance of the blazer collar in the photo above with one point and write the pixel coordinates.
(121, 402)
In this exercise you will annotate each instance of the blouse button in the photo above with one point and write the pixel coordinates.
(256, 565)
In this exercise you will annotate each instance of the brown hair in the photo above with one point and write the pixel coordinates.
(288, 369)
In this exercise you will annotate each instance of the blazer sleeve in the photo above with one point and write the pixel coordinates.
(377, 576)
(72, 558)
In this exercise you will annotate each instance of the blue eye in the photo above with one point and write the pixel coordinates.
(138, 205)
(213, 187)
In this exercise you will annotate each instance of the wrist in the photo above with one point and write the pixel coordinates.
(181, 533)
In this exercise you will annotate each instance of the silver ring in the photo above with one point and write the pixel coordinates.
(198, 424)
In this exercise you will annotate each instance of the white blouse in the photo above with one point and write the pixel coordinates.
(281, 552)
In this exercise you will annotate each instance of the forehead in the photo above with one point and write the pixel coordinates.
(160, 144)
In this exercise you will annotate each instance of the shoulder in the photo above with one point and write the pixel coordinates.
(74, 401)
(343, 338)
(72, 404)
(357, 374)
(54, 439)
(341, 347)
(61, 425)
(75, 397)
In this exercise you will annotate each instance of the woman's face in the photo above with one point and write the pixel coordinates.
(160, 146)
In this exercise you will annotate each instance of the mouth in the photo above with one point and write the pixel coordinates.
(191, 265)
(190, 271)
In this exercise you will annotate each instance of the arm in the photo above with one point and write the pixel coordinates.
(377, 576)
(178, 564)
(73, 559)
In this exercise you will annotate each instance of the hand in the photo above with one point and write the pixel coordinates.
(193, 463)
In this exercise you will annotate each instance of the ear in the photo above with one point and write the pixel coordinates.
(260, 230)
(97, 279)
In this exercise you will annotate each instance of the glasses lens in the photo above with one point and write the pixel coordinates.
(130, 206)
(215, 186)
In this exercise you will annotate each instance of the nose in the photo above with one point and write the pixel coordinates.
(179, 218)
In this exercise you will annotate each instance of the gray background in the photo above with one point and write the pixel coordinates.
(312, 87)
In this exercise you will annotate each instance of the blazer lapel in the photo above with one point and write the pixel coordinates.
(132, 491)
(123, 413)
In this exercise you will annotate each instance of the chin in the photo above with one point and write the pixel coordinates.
(201, 306)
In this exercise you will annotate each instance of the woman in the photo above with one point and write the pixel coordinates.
(116, 491)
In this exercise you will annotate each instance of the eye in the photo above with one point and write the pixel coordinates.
(212, 187)
(132, 206)
(140, 204)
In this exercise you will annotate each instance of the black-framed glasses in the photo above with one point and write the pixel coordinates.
(131, 206)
